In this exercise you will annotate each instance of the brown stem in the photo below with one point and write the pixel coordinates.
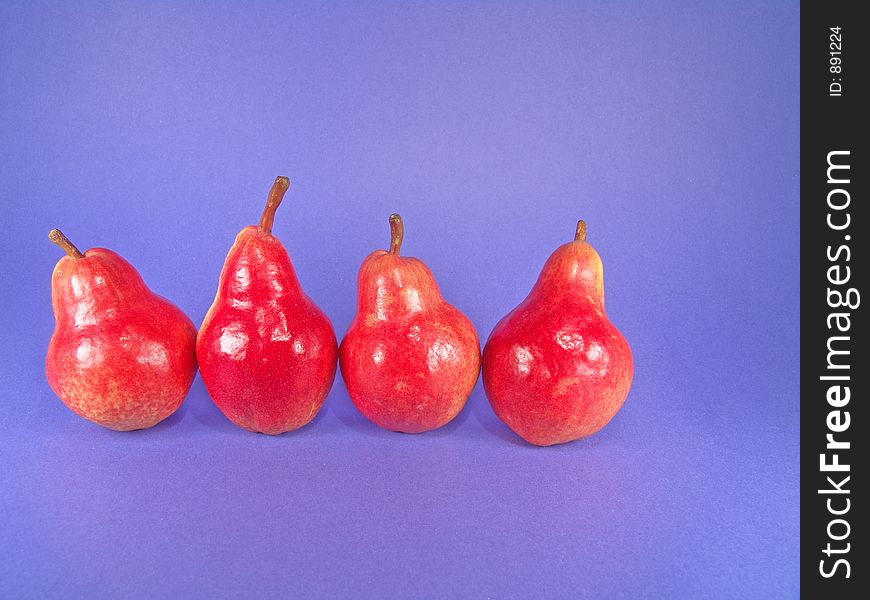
(276, 194)
(580, 235)
(61, 240)
(397, 232)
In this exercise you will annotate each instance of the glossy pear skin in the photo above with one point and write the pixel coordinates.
(555, 369)
(409, 359)
(120, 355)
(267, 353)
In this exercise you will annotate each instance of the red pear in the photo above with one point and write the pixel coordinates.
(120, 355)
(409, 359)
(555, 369)
(267, 353)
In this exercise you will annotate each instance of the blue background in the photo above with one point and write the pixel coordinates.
(155, 129)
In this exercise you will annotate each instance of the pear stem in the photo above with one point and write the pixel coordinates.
(580, 235)
(397, 232)
(276, 194)
(56, 236)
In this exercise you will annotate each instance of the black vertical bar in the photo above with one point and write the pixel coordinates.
(834, 107)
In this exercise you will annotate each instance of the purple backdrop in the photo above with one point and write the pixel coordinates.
(672, 128)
